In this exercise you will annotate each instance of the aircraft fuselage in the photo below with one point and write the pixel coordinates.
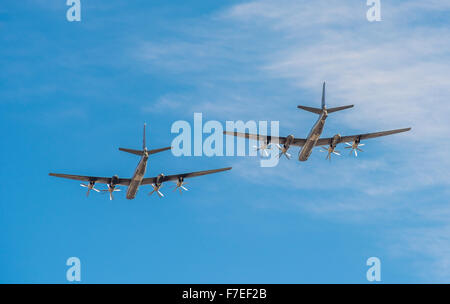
(313, 137)
(138, 176)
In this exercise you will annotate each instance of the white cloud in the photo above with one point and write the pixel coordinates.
(394, 71)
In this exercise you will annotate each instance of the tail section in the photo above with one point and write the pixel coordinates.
(141, 152)
(331, 110)
(311, 109)
(323, 97)
(324, 106)
(144, 148)
(132, 151)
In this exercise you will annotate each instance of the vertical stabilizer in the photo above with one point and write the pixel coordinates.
(143, 140)
(323, 96)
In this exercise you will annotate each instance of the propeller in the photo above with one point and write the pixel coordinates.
(284, 152)
(111, 189)
(263, 148)
(89, 187)
(354, 147)
(156, 188)
(180, 186)
(330, 150)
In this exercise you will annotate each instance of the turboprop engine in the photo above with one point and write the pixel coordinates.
(331, 149)
(157, 185)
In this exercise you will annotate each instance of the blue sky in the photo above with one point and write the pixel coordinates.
(72, 93)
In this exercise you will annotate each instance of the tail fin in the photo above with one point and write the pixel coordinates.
(324, 106)
(323, 96)
(143, 140)
(144, 148)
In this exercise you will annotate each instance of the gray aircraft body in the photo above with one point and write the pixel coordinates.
(313, 139)
(138, 178)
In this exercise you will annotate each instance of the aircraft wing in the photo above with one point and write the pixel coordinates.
(327, 141)
(152, 180)
(267, 138)
(102, 180)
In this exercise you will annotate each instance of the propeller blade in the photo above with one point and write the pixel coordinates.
(354, 148)
(263, 150)
(96, 190)
(156, 189)
(111, 197)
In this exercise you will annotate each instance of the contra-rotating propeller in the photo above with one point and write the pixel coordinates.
(156, 188)
(263, 148)
(330, 149)
(157, 185)
(179, 185)
(111, 189)
(354, 146)
(283, 151)
(285, 147)
(89, 187)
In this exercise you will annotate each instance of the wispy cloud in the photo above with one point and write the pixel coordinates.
(252, 60)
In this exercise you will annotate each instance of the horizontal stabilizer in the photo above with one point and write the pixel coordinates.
(137, 152)
(310, 109)
(158, 150)
(141, 152)
(331, 110)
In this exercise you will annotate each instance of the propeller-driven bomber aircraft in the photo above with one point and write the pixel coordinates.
(313, 139)
(138, 178)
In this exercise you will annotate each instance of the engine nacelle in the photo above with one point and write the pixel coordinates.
(159, 179)
(114, 180)
(335, 140)
(289, 141)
